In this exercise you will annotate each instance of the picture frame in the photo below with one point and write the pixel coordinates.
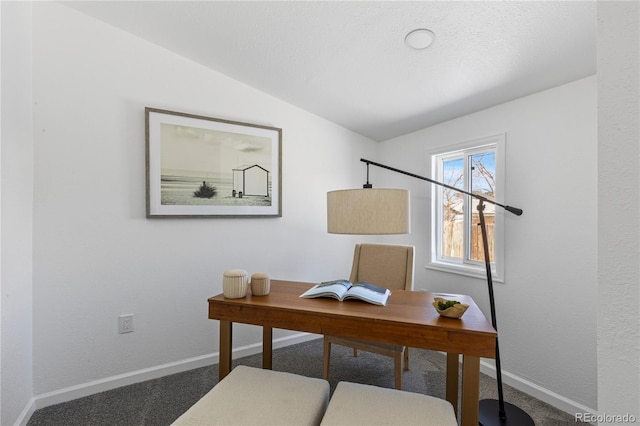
(199, 166)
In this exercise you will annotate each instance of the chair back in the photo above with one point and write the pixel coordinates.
(385, 265)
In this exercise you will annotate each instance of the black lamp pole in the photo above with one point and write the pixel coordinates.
(491, 412)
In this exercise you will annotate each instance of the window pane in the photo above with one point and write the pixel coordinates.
(452, 209)
(483, 172)
(475, 167)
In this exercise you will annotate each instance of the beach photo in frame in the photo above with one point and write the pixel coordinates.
(207, 167)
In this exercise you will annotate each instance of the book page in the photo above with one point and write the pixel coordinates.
(345, 283)
(377, 296)
(371, 287)
(335, 290)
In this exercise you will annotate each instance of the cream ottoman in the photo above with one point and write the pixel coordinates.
(253, 396)
(356, 404)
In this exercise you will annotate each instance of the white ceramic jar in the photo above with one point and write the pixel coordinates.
(234, 283)
(260, 284)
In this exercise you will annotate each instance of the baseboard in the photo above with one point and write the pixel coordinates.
(545, 395)
(26, 414)
(113, 382)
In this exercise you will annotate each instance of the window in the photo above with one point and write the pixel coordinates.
(476, 167)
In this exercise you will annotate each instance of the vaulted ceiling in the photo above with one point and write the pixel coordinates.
(347, 61)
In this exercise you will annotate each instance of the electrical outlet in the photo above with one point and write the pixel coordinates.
(125, 323)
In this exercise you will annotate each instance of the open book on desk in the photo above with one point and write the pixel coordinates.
(344, 290)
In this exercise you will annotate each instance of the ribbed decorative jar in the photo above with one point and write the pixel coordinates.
(260, 284)
(234, 283)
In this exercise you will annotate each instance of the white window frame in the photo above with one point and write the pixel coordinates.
(460, 266)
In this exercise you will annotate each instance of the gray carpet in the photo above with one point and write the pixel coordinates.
(161, 401)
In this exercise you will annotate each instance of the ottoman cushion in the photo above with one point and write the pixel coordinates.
(356, 404)
(253, 396)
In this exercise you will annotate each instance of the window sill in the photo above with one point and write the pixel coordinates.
(466, 270)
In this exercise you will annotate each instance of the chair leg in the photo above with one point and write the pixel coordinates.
(406, 358)
(397, 369)
(355, 352)
(326, 355)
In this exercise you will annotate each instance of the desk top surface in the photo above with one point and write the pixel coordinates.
(409, 314)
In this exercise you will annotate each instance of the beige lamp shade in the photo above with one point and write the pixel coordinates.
(368, 211)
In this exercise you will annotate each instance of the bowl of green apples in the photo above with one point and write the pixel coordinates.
(449, 308)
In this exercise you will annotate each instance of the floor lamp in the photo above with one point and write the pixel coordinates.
(386, 211)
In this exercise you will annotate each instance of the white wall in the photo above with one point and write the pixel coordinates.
(96, 256)
(16, 216)
(550, 261)
(618, 209)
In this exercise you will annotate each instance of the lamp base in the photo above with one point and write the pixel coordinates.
(488, 414)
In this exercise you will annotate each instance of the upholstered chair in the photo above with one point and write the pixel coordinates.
(385, 265)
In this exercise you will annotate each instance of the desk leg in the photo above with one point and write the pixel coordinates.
(470, 390)
(452, 380)
(226, 337)
(267, 347)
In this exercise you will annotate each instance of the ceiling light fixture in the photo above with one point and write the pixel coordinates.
(419, 39)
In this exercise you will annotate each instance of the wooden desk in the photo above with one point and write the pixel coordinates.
(408, 319)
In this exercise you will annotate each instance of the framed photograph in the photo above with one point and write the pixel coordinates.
(206, 167)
